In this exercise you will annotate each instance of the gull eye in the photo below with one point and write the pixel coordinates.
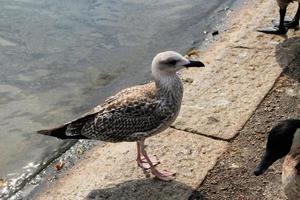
(170, 62)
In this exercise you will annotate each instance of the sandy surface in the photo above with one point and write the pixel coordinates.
(243, 66)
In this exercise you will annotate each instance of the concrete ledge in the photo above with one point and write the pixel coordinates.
(241, 69)
(111, 172)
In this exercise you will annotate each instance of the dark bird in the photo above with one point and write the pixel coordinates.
(285, 23)
(284, 141)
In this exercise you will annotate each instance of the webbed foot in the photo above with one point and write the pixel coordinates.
(288, 23)
(143, 163)
(273, 30)
(164, 175)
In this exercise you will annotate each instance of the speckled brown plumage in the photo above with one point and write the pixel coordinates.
(135, 113)
(284, 141)
(291, 175)
(291, 169)
(132, 114)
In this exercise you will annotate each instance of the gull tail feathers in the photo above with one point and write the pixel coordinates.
(60, 133)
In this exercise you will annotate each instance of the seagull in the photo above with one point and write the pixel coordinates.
(135, 113)
(281, 27)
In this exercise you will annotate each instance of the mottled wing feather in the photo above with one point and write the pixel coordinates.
(131, 113)
(127, 123)
(74, 128)
(113, 100)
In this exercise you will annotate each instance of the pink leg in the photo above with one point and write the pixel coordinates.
(165, 176)
(141, 160)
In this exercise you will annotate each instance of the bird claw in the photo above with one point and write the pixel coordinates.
(164, 175)
(143, 163)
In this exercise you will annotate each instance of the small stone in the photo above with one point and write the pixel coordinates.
(2, 182)
(59, 165)
(126, 152)
(187, 80)
(214, 33)
(188, 174)
(212, 120)
(233, 165)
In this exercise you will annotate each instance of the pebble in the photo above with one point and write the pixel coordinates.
(214, 33)
(2, 182)
(187, 80)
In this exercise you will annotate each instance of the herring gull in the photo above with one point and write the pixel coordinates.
(135, 113)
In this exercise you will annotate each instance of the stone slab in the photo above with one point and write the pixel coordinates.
(242, 66)
(111, 172)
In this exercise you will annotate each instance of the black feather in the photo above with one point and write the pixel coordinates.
(60, 133)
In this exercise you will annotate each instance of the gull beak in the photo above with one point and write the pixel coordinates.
(193, 63)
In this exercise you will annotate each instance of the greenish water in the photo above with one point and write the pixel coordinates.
(59, 58)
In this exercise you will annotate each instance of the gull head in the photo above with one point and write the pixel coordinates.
(169, 62)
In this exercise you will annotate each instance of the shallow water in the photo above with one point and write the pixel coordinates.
(59, 58)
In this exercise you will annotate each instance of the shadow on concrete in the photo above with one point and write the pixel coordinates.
(145, 189)
(288, 56)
